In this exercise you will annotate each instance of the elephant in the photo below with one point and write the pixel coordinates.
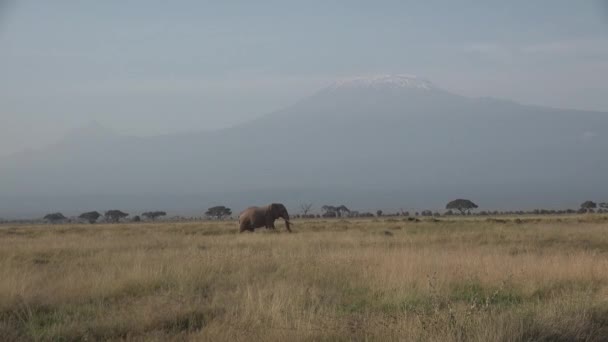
(256, 217)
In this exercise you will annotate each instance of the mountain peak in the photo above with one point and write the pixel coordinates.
(384, 81)
(93, 131)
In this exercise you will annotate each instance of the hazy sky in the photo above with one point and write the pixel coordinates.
(152, 67)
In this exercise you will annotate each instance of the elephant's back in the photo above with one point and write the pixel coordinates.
(249, 211)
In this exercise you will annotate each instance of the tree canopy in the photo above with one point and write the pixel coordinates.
(54, 217)
(333, 211)
(153, 215)
(114, 215)
(90, 216)
(588, 206)
(463, 205)
(342, 209)
(328, 208)
(218, 212)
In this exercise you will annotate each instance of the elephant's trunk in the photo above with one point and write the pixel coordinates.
(287, 223)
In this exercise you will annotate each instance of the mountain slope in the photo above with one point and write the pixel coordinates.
(399, 137)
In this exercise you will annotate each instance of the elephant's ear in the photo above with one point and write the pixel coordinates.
(273, 210)
(270, 210)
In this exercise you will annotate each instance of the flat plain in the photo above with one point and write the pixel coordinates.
(382, 279)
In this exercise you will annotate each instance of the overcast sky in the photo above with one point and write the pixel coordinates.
(156, 67)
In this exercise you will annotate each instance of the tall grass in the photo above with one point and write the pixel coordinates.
(381, 279)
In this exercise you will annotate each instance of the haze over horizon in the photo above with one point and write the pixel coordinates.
(394, 141)
(145, 69)
(384, 105)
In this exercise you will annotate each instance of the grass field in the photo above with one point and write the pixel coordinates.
(537, 279)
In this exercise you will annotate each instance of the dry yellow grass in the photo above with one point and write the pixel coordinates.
(381, 279)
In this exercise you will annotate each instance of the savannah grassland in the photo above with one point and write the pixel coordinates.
(537, 279)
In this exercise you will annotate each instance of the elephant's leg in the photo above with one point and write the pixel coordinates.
(270, 224)
(246, 229)
(245, 225)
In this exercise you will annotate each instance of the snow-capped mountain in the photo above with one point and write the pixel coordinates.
(383, 82)
(378, 142)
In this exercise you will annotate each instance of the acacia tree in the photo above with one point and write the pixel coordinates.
(329, 210)
(588, 206)
(54, 217)
(114, 215)
(218, 212)
(305, 207)
(463, 205)
(90, 216)
(342, 209)
(153, 215)
(333, 211)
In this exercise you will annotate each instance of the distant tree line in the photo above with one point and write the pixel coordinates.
(111, 216)
(114, 216)
(455, 207)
